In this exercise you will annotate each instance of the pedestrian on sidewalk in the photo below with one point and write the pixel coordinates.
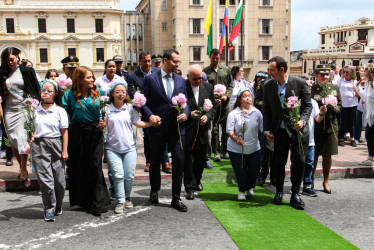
(325, 133)
(49, 149)
(244, 125)
(120, 143)
(87, 187)
(367, 94)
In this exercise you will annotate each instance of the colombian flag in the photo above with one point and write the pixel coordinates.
(225, 25)
(208, 26)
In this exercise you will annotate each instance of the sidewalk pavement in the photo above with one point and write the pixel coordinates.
(344, 165)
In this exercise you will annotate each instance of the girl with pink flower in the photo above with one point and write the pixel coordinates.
(120, 143)
(244, 125)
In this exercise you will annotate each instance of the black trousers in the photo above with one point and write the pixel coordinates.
(282, 143)
(194, 164)
(267, 165)
(347, 124)
(158, 143)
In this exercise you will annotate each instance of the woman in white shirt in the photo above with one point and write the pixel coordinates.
(243, 126)
(367, 94)
(349, 102)
(109, 78)
(120, 143)
(237, 73)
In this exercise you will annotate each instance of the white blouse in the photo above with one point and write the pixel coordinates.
(367, 94)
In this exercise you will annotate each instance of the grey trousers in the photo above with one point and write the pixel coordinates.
(50, 171)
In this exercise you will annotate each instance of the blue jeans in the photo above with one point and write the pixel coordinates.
(309, 160)
(122, 167)
(246, 176)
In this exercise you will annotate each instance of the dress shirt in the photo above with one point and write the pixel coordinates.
(164, 82)
(48, 123)
(282, 94)
(195, 91)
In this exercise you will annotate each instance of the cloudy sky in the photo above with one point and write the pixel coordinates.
(308, 16)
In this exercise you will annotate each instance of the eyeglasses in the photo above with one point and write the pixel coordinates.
(197, 78)
(176, 62)
(48, 91)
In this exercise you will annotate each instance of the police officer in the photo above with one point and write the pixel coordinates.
(119, 70)
(69, 64)
(156, 61)
(325, 133)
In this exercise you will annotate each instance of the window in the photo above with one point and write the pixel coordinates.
(70, 25)
(133, 31)
(99, 25)
(231, 2)
(128, 32)
(355, 62)
(140, 31)
(164, 5)
(362, 34)
(134, 57)
(231, 25)
(10, 25)
(223, 55)
(265, 53)
(267, 3)
(42, 25)
(266, 26)
(72, 52)
(99, 54)
(232, 54)
(222, 2)
(196, 54)
(323, 41)
(241, 53)
(196, 26)
(196, 2)
(163, 26)
(43, 55)
(128, 57)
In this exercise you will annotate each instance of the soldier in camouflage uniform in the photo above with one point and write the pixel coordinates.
(326, 132)
(219, 74)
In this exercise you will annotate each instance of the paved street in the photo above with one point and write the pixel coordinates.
(348, 211)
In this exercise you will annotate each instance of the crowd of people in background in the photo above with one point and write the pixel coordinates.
(213, 113)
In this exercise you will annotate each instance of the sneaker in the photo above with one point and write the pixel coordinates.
(208, 165)
(58, 211)
(341, 143)
(226, 156)
(241, 196)
(217, 158)
(128, 204)
(309, 191)
(119, 208)
(3, 154)
(49, 217)
(353, 144)
(250, 192)
(367, 162)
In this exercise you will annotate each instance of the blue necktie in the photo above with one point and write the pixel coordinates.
(168, 85)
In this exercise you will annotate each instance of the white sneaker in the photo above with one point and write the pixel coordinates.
(119, 209)
(241, 196)
(367, 162)
(128, 204)
(250, 192)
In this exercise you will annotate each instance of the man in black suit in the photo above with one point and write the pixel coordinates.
(196, 151)
(279, 128)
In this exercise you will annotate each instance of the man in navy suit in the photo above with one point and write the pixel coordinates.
(159, 88)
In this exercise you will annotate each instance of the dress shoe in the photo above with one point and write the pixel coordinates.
(208, 165)
(260, 182)
(178, 205)
(273, 183)
(9, 162)
(146, 169)
(226, 156)
(217, 158)
(190, 195)
(296, 202)
(166, 168)
(153, 198)
(199, 187)
(325, 189)
(278, 198)
(341, 143)
(353, 144)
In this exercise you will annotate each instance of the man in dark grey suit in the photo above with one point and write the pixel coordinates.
(279, 128)
(196, 149)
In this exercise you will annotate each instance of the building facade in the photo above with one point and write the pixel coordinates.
(349, 44)
(46, 31)
(180, 25)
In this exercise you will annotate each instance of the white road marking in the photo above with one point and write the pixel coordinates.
(74, 230)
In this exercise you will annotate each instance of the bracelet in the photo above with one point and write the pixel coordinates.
(321, 114)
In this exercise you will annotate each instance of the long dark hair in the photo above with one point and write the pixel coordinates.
(234, 70)
(49, 72)
(4, 68)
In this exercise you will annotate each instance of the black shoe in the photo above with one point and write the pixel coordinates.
(153, 198)
(199, 187)
(341, 143)
(208, 165)
(273, 183)
(95, 212)
(58, 211)
(327, 191)
(296, 202)
(178, 205)
(9, 162)
(261, 182)
(309, 191)
(190, 194)
(353, 144)
(278, 198)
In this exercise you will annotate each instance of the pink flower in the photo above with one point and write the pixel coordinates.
(207, 105)
(26, 150)
(219, 90)
(33, 103)
(331, 99)
(63, 82)
(183, 106)
(182, 98)
(174, 100)
(104, 98)
(332, 72)
(139, 99)
(245, 111)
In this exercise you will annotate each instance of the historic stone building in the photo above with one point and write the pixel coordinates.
(47, 31)
(349, 44)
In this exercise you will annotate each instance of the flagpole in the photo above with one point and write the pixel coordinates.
(241, 44)
(211, 40)
(227, 43)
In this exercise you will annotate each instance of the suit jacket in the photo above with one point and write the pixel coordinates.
(205, 92)
(159, 104)
(135, 81)
(274, 112)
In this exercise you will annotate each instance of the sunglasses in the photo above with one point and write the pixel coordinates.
(346, 72)
(197, 78)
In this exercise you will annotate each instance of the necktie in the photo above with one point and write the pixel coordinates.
(168, 85)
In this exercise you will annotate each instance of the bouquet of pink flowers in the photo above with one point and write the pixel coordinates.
(330, 100)
(30, 105)
(293, 105)
(139, 100)
(219, 91)
(208, 105)
(179, 103)
(64, 83)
